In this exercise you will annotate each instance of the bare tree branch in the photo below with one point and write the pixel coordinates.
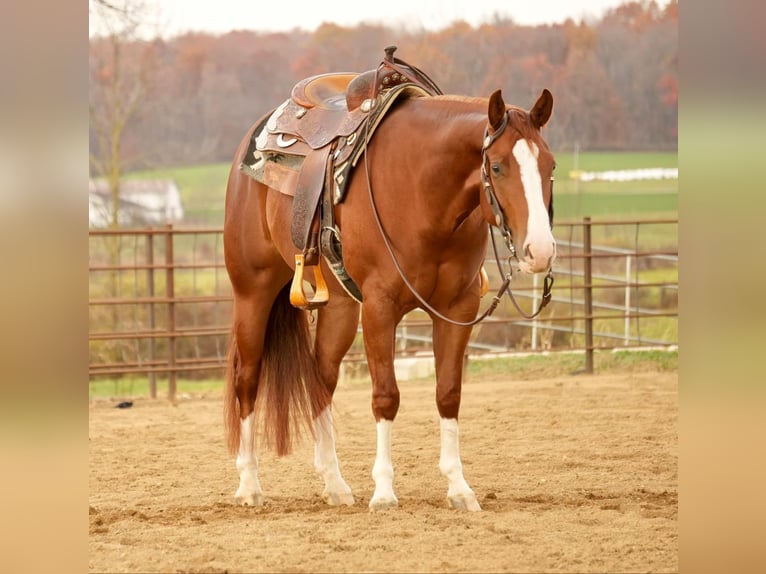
(114, 67)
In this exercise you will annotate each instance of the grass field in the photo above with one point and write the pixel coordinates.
(521, 368)
(203, 188)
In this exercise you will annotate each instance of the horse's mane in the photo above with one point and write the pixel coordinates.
(519, 116)
(463, 99)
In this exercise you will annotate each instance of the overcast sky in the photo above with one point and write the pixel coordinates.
(217, 16)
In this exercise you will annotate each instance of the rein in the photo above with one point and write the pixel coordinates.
(547, 282)
(499, 222)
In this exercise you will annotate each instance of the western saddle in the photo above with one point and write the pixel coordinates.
(307, 147)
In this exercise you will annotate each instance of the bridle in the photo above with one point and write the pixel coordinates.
(505, 230)
(500, 222)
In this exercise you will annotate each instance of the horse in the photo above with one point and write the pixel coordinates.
(414, 225)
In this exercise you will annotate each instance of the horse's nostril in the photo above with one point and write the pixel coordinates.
(528, 252)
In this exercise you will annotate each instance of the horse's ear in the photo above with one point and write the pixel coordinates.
(541, 111)
(496, 110)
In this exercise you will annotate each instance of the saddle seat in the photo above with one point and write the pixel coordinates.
(325, 91)
(344, 92)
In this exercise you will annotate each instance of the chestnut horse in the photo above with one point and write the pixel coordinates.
(414, 227)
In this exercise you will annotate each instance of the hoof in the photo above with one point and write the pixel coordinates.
(338, 498)
(464, 502)
(249, 499)
(383, 504)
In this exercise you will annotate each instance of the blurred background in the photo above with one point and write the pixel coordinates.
(172, 93)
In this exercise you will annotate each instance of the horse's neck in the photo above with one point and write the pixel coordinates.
(454, 156)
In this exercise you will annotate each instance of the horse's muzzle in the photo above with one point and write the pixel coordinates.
(538, 257)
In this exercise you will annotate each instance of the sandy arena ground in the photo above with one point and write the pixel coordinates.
(574, 474)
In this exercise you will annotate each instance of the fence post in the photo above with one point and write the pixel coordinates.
(534, 306)
(588, 295)
(628, 261)
(152, 324)
(170, 293)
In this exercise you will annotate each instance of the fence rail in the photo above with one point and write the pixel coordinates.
(160, 300)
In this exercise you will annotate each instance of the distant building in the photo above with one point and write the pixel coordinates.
(142, 202)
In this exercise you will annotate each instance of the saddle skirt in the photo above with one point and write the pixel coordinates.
(293, 132)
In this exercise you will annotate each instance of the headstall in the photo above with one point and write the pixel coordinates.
(502, 225)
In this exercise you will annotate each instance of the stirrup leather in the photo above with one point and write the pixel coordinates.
(298, 295)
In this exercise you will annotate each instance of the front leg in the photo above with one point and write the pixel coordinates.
(383, 470)
(450, 342)
(459, 494)
(379, 326)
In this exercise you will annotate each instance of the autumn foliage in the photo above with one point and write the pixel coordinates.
(615, 80)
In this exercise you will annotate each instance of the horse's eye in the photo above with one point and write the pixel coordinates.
(496, 168)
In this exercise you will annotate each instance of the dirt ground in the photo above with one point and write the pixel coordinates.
(574, 474)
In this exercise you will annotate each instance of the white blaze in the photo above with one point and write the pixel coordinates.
(539, 236)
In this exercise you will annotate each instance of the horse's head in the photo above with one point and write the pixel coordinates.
(517, 179)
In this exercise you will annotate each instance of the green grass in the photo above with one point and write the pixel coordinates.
(203, 188)
(603, 161)
(531, 367)
(614, 200)
(614, 205)
(528, 367)
(132, 387)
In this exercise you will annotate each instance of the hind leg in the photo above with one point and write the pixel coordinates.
(336, 328)
(249, 492)
(250, 318)
(249, 347)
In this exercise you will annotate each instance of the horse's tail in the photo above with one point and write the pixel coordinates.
(289, 391)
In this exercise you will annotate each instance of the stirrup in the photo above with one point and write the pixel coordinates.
(483, 282)
(297, 294)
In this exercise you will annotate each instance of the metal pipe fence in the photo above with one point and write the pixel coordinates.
(160, 301)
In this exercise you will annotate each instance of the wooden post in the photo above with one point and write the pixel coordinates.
(152, 323)
(170, 293)
(588, 295)
(626, 337)
(534, 306)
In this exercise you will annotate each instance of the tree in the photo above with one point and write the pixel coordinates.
(118, 83)
(119, 79)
